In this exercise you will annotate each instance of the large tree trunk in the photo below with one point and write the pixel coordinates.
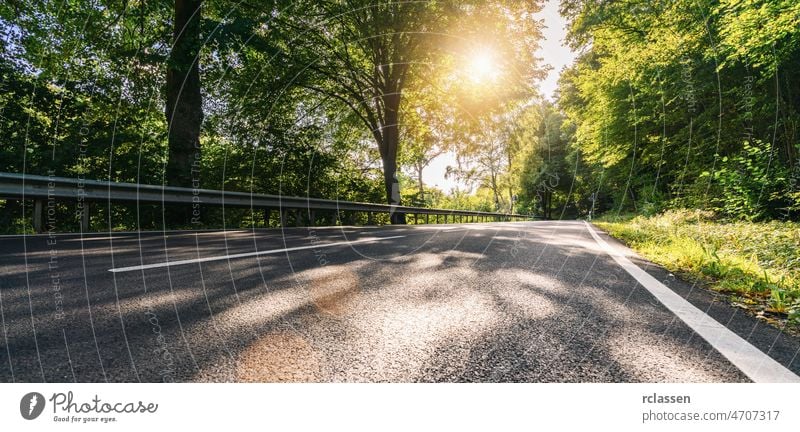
(421, 184)
(184, 109)
(510, 159)
(391, 139)
(496, 192)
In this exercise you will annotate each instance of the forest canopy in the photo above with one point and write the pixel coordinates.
(670, 104)
(330, 99)
(687, 104)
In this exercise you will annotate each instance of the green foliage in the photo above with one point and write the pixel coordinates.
(83, 93)
(763, 33)
(755, 262)
(547, 175)
(751, 185)
(670, 118)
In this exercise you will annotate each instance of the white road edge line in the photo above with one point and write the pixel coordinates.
(248, 254)
(758, 366)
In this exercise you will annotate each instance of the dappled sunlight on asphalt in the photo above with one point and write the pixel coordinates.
(527, 302)
(536, 281)
(491, 302)
(332, 289)
(649, 357)
(279, 356)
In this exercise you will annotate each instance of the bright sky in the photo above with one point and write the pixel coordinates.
(552, 52)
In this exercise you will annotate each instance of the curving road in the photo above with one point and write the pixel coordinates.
(521, 302)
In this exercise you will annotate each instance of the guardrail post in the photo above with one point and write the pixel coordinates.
(283, 214)
(370, 218)
(85, 210)
(416, 217)
(37, 216)
(427, 218)
(298, 217)
(312, 217)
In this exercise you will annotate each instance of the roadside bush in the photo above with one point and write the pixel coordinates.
(758, 264)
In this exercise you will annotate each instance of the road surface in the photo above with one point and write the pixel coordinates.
(498, 302)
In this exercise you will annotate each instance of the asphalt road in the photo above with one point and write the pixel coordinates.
(520, 302)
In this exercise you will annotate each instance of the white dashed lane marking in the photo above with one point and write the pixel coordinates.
(248, 254)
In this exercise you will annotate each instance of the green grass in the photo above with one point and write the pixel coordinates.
(758, 264)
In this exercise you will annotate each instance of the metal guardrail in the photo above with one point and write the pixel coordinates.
(44, 188)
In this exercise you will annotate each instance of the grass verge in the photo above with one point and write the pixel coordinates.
(756, 264)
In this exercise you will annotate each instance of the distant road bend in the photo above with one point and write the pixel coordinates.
(546, 301)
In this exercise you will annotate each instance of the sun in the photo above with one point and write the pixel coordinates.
(482, 66)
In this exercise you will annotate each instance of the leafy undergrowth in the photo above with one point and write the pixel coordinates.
(756, 264)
